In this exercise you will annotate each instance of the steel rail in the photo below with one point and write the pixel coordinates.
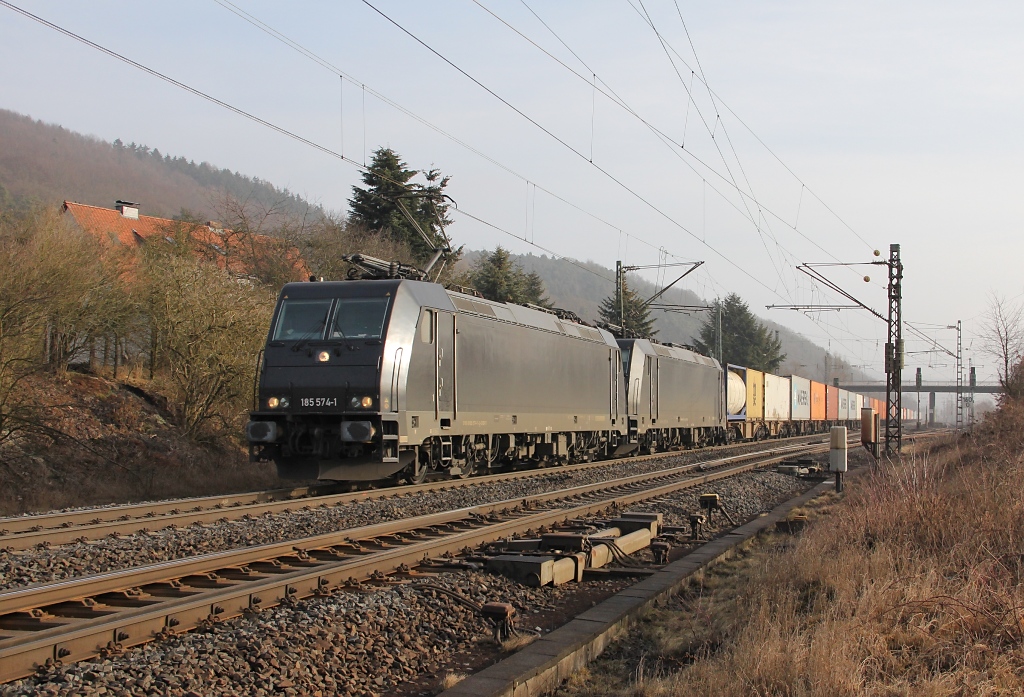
(13, 525)
(27, 532)
(100, 615)
(42, 594)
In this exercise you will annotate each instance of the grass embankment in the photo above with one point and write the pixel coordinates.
(109, 441)
(910, 584)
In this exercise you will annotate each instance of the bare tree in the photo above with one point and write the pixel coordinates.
(1002, 334)
(259, 239)
(212, 329)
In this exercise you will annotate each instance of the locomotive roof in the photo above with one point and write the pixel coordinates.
(528, 317)
(676, 352)
(332, 289)
(434, 295)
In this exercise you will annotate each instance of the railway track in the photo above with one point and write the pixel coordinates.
(77, 619)
(28, 532)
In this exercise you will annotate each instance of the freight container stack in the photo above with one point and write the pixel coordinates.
(762, 405)
(777, 404)
(800, 403)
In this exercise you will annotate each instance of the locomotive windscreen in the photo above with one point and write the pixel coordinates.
(353, 318)
(302, 320)
(359, 318)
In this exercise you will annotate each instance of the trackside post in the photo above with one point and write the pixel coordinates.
(837, 455)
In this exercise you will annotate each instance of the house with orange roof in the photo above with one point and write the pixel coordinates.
(249, 256)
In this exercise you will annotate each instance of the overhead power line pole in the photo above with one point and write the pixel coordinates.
(620, 301)
(959, 378)
(718, 332)
(620, 292)
(894, 345)
(894, 356)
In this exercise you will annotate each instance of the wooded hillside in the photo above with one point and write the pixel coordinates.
(43, 163)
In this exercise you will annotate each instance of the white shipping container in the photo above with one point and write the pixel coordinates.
(800, 404)
(844, 405)
(776, 398)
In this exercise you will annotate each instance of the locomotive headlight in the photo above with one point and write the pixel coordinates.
(367, 402)
(284, 402)
(361, 402)
(323, 356)
(273, 402)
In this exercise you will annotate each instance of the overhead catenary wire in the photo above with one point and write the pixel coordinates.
(780, 161)
(758, 222)
(572, 149)
(263, 122)
(676, 147)
(266, 28)
(254, 118)
(614, 97)
(327, 65)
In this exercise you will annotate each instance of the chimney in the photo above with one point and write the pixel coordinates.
(127, 209)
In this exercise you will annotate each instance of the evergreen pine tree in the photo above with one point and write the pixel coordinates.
(637, 316)
(745, 341)
(498, 277)
(389, 179)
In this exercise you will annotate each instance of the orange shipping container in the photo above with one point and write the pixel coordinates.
(817, 401)
(831, 403)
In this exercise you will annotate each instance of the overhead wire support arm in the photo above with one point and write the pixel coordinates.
(620, 295)
(820, 278)
(813, 308)
(693, 267)
(894, 322)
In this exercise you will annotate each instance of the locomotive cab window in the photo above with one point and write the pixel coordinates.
(302, 320)
(359, 318)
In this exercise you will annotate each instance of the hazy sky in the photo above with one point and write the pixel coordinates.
(846, 126)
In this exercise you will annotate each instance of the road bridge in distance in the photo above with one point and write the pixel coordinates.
(926, 387)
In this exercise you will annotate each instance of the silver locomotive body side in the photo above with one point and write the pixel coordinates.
(489, 385)
(675, 396)
(453, 384)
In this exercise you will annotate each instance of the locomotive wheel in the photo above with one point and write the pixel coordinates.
(418, 475)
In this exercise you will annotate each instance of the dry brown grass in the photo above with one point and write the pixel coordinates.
(911, 585)
(513, 644)
(450, 680)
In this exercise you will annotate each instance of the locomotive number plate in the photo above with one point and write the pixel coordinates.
(318, 402)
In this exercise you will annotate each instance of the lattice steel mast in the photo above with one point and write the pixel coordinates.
(894, 356)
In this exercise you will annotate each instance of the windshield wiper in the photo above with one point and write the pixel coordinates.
(302, 342)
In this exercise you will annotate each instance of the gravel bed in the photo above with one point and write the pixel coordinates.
(375, 643)
(384, 641)
(27, 567)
